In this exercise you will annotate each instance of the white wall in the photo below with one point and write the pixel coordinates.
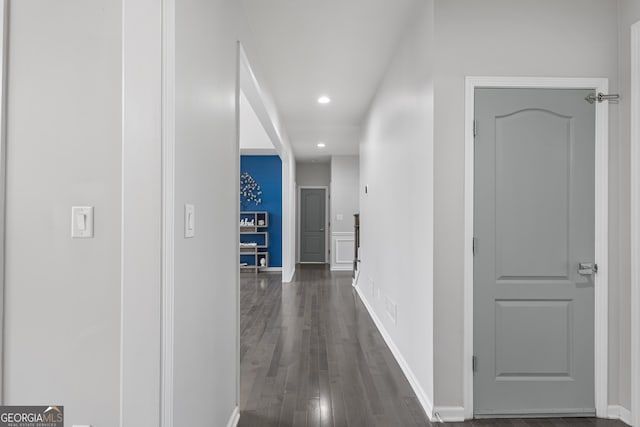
(141, 228)
(396, 163)
(345, 195)
(345, 201)
(502, 38)
(628, 14)
(207, 166)
(62, 307)
(254, 140)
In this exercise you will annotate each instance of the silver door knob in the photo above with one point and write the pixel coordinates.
(587, 268)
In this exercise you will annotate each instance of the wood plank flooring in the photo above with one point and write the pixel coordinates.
(312, 357)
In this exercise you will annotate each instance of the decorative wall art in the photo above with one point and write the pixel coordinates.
(250, 192)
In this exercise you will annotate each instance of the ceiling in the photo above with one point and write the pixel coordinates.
(339, 48)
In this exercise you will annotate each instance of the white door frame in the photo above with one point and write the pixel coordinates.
(601, 224)
(3, 143)
(635, 224)
(326, 220)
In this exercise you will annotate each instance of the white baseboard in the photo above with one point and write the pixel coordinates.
(424, 400)
(272, 269)
(448, 414)
(287, 276)
(235, 417)
(341, 268)
(617, 412)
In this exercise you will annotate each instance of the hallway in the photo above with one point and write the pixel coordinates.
(311, 356)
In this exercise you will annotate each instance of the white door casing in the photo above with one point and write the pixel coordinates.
(3, 132)
(601, 224)
(635, 224)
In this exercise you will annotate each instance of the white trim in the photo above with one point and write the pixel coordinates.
(4, 28)
(168, 209)
(234, 419)
(448, 414)
(635, 223)
(601, 225)
(338, 263)
(326, 222)
(617, 412)
(242, 67)
(272, 269)
(338, 258)
(424, 400)
(343, 234)
(258, 152)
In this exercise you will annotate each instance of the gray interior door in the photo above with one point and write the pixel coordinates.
(534, 223)
(312, 225)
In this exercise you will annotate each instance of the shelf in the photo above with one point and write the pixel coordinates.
(259, 219)
(251, 255)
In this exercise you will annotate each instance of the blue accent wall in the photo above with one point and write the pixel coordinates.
(267, 171)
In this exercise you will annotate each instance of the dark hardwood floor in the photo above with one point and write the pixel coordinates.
(311, 356)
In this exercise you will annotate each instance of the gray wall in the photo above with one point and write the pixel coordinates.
(492, 38)
(345, 176)
(313, 174)
(396, 163)
(62, 318)
(628, 14)
(507, 38)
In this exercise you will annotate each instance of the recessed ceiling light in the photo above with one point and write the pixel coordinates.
(324, 99)
(321, 145)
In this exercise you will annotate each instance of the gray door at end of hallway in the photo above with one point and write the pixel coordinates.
(534, 221)
(312, 225)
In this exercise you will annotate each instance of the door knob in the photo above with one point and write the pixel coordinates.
(587, 268)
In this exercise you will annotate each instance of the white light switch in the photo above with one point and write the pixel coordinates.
(339, 217)
(189, 221)
(82, 222)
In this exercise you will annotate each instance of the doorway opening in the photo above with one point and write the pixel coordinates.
(600, 206)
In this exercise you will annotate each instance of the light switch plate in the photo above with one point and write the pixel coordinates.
(339, 217)
(82, 222)
(189, 221)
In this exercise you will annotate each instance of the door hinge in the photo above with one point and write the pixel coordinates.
(475, 128)
(474, 364)
(474, 245)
